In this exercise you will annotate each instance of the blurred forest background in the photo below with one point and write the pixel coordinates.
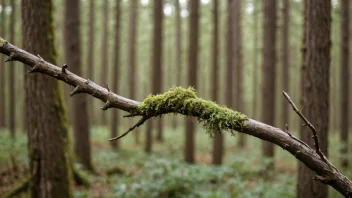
(154, 52)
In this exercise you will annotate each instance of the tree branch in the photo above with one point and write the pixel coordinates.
(307, 155)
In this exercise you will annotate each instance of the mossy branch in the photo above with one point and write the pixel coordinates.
(178, 100)
(185, 102)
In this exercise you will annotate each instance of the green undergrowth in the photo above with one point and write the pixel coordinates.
(213, 117)
(163, 173)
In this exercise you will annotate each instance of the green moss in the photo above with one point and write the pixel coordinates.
(2, 42)
(185, 101)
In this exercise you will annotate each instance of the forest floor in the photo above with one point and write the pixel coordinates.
(130, 172)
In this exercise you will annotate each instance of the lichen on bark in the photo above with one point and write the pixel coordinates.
(178, 100)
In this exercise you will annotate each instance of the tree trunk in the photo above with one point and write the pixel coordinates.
(2, 71)
(344, 81)
(255, 59)
(132, 52)
(285, 60)
(218, 148)
(116, 61)
(91, 56)
(315, 87)
(192, 76)
(237, 62)
(268, 95)
(178, 43)
(157, 58)
(45, 109)
(12, 90)
(229, 66)
(104, 78)
(79, 103)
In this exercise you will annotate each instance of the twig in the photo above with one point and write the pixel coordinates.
(307, 123)
(139, 123)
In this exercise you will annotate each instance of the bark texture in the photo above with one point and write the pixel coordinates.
(116, 60)
(269, 61)
(192, 75)
(344, 81)
(73, 53)
(326, 173)
(315, 87)
(45, 109)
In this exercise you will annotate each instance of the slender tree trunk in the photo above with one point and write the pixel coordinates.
(2, 70)
(104, 78)
(132, 52)
(45, 109)
(285, 60)
(229, 66)
(344, 80)
(268, 95)
(91, 55)
(315, 88)
(12, 85)
(178, 43)
(255, 59)
(237, 62)
(79, 102)
(157, 58)
(116, 61)
(178, 31)
(192, 75)
(218, 148)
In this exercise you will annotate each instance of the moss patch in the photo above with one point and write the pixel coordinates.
(213, 117)
(2, 42)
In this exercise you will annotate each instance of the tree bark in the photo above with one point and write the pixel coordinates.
(73, 59)
(326, 173)
(2, 71)
(90, 56)
(132, 51)
(218, 148)
(237, 62)
(315, 87)
(45, 109)
(12, 82)
(104, 78)
(344, 81)
(116, 61)
(192, 75)
(157, 58)
(268, 94)
(285, 59)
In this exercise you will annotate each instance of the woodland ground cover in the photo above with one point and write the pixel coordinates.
(130, 172)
